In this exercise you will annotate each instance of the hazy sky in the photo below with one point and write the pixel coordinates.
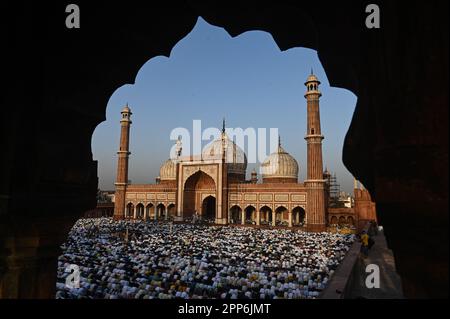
(211, 75)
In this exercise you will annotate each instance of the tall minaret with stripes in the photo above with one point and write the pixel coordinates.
(314, 183)
(122, 163)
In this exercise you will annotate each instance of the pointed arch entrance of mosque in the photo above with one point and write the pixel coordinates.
(199, 195)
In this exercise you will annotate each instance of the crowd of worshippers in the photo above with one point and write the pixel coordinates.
(151, 260)
(198, 219)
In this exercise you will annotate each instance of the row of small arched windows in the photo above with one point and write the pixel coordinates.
(312, 87)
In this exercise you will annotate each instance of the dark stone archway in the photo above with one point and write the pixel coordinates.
(59, 82)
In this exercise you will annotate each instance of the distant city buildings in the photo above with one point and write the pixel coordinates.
(105, 196)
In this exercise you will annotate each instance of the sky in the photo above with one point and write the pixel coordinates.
(210, 76)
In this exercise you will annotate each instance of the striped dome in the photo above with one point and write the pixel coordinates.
(280, 164)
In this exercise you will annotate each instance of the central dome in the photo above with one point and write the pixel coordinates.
(234, 156)
(280, 166)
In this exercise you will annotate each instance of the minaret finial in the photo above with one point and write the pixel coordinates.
(223, 126)
(279, 140)
(312, 71)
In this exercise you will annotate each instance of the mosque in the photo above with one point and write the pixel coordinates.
(213, 185)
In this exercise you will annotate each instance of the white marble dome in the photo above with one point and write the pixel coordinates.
(234, 156)
(168, 170)
(280, 164)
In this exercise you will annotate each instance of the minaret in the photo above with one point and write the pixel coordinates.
(222, 205)
(122, 164)
(315, 182)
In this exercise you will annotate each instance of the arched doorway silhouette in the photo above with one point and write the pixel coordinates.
(238, 18)
(422, 280)
(209, 208)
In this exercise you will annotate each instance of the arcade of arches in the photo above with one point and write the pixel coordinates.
(397, 143)
(265, 216)
(149, 211)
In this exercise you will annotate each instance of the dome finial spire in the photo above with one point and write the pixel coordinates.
(279, 140)
(223, 126)
(312, 71)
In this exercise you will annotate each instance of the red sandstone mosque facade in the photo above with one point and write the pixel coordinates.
(213, 184)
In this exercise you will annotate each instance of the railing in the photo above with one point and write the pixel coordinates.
(342, 280)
